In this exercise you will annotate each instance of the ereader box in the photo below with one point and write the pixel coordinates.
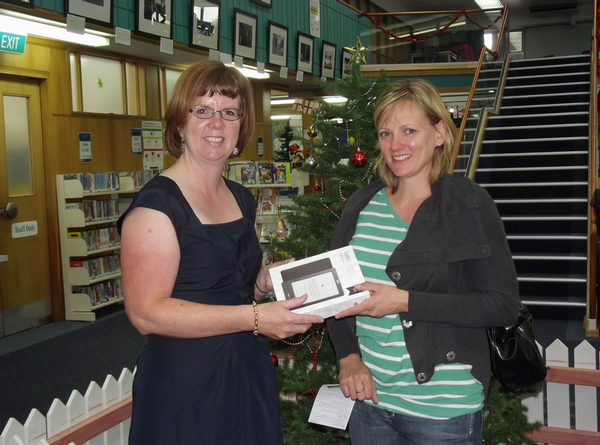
(328, 279)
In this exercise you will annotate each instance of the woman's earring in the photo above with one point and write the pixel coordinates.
(235, 151)
(182, 143)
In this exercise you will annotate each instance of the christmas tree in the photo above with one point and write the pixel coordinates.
(286, 137)
(342, 156)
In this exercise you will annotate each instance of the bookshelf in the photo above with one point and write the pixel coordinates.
(89, 206)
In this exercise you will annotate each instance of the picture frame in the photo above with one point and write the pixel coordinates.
(245, 35)
(99, 12)
(22, 3)
(154, 18)
(206, 24)
(328, 53)
(305, 53)
(345, 63)
(265, 3)
(277, 44)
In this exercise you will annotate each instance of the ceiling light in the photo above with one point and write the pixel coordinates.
(250, 72)
(280, 117)
(335, 100)
(487, 4)
(56, 31)
(283, 101)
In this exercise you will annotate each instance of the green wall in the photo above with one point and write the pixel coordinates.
(340, 25)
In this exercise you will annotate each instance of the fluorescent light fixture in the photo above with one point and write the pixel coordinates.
(250, 72)
(488, 4)
(281, 117)
(283, 101)
(335, 99)
(56, 31)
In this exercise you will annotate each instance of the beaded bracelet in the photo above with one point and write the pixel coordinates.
(255, 318)
(260, 289)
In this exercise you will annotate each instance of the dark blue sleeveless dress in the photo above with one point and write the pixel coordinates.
(217, 390)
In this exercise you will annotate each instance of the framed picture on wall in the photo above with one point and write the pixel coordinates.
(278, 44)
(244, 27)
(154, 18)
(22, 3)
(306, 49)
(266, 3)
(346, 68)
(205, 26)
(328, 59)
(99, 12)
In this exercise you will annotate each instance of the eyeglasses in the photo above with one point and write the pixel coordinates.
(228, 114)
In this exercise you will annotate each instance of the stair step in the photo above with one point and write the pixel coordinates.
(533, 169)
(547, 146)
(549, 258)
(541, 201)
(560, 303)
(546, 237)
(554, 99)
(508, 110)
(576, 138)
(555, 279)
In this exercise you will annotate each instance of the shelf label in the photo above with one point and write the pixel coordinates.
(24, 229)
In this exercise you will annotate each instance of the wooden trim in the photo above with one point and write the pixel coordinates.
(563, 436)
(573, 376)
(95, 425)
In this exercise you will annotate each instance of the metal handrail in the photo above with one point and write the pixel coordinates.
(592, 285)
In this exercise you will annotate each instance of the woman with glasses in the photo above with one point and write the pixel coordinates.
(192, 277)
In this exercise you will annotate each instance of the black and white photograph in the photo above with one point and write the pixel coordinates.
(328, 59)
(346, 69)
(98, 12)
(154, 18)
(22, 3)
(244, 25)
(204, 29)
(305, 53)
(278, 44)
(265, 3)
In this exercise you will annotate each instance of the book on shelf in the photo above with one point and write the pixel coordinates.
(285, 200)
(265, 172)
(268, 232)
(249, 173)
(266, 205)
(281, 172)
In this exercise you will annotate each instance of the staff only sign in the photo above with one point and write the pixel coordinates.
(12, 43)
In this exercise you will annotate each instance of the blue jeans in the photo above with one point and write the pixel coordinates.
(376, 426)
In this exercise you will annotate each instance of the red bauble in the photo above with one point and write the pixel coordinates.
(359, 159)
(317, 189)
(275, 360)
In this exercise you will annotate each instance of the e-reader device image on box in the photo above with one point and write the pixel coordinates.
(319, 286)
(327, 278)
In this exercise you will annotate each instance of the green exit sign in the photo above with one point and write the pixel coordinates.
(12, 43)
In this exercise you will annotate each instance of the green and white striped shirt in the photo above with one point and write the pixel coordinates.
(452, 391)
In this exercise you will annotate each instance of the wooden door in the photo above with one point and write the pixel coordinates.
(24, 259)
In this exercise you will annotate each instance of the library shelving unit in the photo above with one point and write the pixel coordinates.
(89, 288)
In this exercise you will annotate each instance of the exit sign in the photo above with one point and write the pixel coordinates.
(12, 43)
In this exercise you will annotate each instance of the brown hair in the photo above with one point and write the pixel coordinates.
(209, 77)
(421, 93)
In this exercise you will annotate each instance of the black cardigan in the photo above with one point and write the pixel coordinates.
(457, 267)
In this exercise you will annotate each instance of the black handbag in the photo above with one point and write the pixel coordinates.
(516, 360)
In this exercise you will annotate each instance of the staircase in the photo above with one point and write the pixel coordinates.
(534, 164)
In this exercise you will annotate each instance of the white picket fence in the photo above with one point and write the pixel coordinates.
(102, 416)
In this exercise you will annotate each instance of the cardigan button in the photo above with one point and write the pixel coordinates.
(421, 377)
(407, 324)
(396, 276)
(451, 356)
(425, 255)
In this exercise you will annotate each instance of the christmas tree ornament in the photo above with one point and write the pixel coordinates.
(357, 52)
(310, 161)
(317, 188)
(312, 132)
(352, 140)
(327, 115)
(359, 159)
(275, 360)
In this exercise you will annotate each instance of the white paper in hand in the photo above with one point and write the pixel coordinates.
(331, 408)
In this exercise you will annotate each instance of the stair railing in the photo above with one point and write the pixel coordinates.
(474, 145)
(592, 284)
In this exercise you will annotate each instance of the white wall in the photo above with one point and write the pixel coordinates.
(562, 40)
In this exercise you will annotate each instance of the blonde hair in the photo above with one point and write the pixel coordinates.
(423, 94)
(209, 77)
